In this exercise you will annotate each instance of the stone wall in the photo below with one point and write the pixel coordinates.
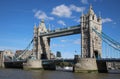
(32, 64)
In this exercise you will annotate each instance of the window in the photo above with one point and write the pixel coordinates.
(93, 17)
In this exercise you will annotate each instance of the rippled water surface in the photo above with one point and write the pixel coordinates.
(41, 74)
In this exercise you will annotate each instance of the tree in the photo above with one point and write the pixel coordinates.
(58, 54)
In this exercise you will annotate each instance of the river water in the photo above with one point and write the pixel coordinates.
(42, 74)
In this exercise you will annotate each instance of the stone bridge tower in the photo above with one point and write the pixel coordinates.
(41, 46)
(90, 41)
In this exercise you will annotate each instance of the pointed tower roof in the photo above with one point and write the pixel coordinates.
(42, 21)
(35, 27)
(91, 12)
(42, 26)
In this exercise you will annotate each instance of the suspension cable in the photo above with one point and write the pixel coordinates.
(108, 40)
(25, 50)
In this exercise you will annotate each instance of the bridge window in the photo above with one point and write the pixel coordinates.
(93, 17)
(96, 55)
(43, 56)
(98, 20)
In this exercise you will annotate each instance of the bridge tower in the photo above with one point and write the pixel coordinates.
(41, 44)
(90, 42)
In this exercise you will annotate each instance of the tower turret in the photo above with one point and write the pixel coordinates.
(41, 44)
(35, 31)
(90, 11)
(42, 28)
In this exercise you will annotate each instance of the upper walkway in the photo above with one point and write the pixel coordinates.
(62, 32)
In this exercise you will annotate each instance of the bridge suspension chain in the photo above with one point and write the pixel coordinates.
(111, 43)
(108, 40)
(25, 50)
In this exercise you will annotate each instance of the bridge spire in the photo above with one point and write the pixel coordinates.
(90, 6)
(35, 26)
(90, 11)
(35, 30)
(42, 28)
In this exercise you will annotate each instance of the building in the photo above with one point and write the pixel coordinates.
(52, 56)
(1, 58)
(18, 52)
(8, 53)
(23, 54)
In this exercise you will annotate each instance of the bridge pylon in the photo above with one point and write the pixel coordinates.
(90, 42)
(41, 45)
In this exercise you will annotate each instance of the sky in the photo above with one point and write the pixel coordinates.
(18, 17)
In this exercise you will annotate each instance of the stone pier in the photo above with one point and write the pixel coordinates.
(86, 65)
(32, 64)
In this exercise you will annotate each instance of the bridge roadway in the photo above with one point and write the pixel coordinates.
(109, 59)
(73, 61)
(58, 60)
(19, 64)
(45, 63)
(62, 32)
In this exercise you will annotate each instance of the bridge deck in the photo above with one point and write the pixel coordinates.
(109, 59)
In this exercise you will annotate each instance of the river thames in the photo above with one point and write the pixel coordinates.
(42, 74)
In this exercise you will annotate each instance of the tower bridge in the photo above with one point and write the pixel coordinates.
(91, 42)
(92, 36)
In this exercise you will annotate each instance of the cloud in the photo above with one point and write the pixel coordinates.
(66, 11)
(42, 15)
(84, 1)
(95, 0)
(57, 45)
(77, 9)
(63, 40)
(62, 11)
(77, 41)
(61, 22)
(115, 23)
(105, 20)
(77, 20)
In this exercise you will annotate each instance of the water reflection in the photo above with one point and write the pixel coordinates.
(41, 74)
(70, 75)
